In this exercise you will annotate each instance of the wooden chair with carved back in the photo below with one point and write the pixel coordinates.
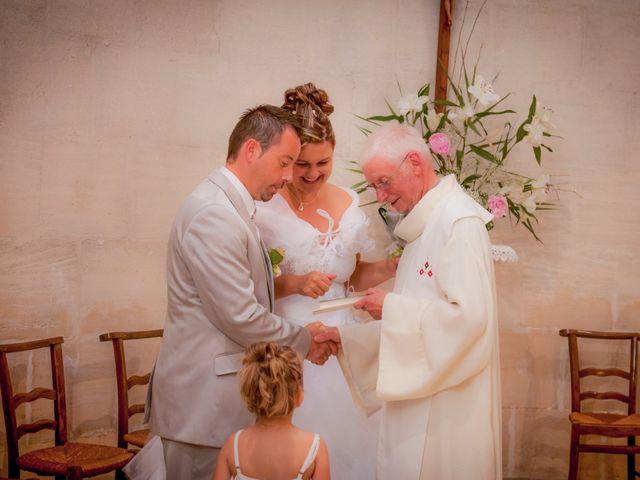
(66, 459)
(125, 383)
(595, 393)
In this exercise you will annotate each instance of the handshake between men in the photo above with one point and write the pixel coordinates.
(325, 341)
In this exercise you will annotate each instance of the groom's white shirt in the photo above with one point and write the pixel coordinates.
(433, 360)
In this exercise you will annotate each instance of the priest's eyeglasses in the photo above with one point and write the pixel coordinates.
(384, 184)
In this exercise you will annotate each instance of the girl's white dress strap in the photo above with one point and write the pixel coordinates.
(311, 456)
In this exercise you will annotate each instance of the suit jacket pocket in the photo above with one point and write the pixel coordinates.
(228, 363)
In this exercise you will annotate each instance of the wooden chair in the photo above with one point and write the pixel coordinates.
(66, 459)
(603, 421)
(124, 384)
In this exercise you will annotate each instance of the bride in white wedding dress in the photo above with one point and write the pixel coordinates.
(322, 230)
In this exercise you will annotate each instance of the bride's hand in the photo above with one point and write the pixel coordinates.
(315, 284)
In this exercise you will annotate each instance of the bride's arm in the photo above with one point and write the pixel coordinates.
(313, 284)
(370, 274)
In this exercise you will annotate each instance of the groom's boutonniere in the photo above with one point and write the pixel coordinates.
(276, 255)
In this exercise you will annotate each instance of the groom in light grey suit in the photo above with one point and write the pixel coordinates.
(220, 297)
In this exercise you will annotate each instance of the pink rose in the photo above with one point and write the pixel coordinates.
(439, 143)
(497, 205)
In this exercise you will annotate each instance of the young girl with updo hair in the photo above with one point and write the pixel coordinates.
(323, 231)
(273, 448)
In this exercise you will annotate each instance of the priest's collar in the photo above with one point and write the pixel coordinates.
(412, 226)
(246, 197)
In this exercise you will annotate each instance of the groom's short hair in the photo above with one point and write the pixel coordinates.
(265, 124)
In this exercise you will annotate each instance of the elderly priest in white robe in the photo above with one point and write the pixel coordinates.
(432, 361)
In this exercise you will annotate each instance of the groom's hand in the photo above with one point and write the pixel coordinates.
(319, 351)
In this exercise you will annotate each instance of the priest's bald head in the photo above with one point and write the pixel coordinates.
(396, 162)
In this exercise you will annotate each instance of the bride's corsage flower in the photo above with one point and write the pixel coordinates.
(497, 205)
(276, 255)
(411, 103)
(439, 143)
(483, 91)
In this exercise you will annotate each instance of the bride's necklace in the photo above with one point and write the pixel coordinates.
(298, 200)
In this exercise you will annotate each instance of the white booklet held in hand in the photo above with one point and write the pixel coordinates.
(337, 303)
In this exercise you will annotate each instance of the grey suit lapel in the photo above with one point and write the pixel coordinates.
(219, 179)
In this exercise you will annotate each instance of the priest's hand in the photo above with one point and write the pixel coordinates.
(372, 302)
(319, 351)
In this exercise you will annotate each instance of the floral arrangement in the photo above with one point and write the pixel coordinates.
(472, 138)
(276, 255)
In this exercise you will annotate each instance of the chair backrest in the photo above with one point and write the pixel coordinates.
(124, 383)
(626, 395)
(12, 400)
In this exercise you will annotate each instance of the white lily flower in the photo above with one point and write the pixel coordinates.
(468, 110)
(530, 204)
(459, 115)
(507, 190)
(411, 103)
(483, 91)
(543, 116)
(539, 187)
(535, 132)
(433, 119)
(541, 181)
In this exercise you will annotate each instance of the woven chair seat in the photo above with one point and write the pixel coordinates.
(92, 459)
(137, 438)
(609, 419)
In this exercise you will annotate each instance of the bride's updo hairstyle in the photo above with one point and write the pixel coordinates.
(311, 107)
(270, 379)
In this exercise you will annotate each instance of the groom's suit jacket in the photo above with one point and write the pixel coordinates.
(220, 300)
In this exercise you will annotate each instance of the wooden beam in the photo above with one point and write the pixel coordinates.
(444, 36)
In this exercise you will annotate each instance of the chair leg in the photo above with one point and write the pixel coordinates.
(573, 454)
(631, 460)
(74, 473)
(120, 475)
(14, 470)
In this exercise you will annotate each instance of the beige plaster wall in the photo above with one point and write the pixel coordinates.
(111, 111)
